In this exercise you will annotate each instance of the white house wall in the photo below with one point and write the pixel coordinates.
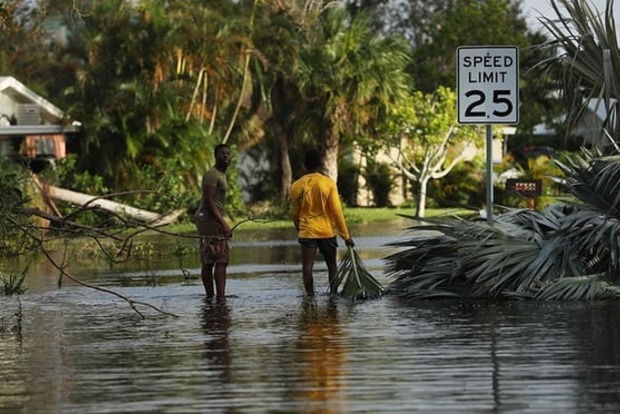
(13, 94)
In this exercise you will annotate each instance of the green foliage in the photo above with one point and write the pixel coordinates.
(164, 187)
(565, 252)
(427, 123)
(126, 92)
(13, 284)
(594, 180)
(440, 29)
(490, 22)
(380, 180)
(430, 141)
(350, 78)
(348, 174)
(22, 30)
(67, 175)
(462, 187)
(14, 198)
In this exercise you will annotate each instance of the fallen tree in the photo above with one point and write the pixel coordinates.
(20, 232)
(106, 204)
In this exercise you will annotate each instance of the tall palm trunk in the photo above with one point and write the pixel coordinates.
(283, 157)
(282, 101)
(329, 152)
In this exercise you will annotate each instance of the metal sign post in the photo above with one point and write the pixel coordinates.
(488, 93)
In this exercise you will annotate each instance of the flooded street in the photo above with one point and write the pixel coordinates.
(267, 349)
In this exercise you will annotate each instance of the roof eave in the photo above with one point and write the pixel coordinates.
(20, 130)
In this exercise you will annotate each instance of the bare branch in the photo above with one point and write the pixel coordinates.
(61, 267)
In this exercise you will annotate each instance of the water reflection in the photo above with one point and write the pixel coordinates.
(269, 350)
(322, 355)
(216, 326)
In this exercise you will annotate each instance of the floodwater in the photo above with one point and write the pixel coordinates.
(267, 349)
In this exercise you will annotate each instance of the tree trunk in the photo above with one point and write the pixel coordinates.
(329, 153)
(284, 159)
(282, 99)
(421, 207)
(86, 200)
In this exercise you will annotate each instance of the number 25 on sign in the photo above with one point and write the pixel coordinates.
(488, 84)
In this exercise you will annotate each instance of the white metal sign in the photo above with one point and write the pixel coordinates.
(488, 84)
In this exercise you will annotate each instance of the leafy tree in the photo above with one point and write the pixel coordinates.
(124, 90)
(410, 18)
(430, 141)
(468, 22)
(488, 22)
(25, 42)
(15, 197)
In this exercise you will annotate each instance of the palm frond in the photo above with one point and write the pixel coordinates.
(596, 239)
(358, 282)
(577, 288)
(474, 260)
(588, 53)
(595, 180)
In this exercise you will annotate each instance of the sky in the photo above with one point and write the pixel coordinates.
(533, 9)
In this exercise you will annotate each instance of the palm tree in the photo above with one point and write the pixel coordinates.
(348, 77)
(277, 39)
(590, 58)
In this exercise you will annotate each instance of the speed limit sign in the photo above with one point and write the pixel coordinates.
(488, 84)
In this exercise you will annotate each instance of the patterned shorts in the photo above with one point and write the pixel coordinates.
(214, 250)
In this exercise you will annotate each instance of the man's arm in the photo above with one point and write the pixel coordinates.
(294, 199)
(209, 197)
(335, 207)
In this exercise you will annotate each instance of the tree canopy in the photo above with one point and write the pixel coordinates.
(152, 80)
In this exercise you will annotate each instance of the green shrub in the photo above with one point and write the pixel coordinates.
(463, 186)
(13, 284)
(66, 175)
(14, 198)
(348, 174)
(380, 181)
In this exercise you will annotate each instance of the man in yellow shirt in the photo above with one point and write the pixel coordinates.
(317, 214)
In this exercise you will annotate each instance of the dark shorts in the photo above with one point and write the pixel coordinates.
(330, 243)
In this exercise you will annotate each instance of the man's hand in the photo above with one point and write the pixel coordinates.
(226, 230)
(350, 242)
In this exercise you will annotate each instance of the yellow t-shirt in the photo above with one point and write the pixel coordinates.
(317, 211)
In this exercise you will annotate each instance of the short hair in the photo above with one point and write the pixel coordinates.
(218, 147)
(312, 160)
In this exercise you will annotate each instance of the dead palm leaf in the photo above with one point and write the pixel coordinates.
(576, 288)
(359, 284)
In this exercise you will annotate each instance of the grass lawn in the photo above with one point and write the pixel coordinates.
(353, 215)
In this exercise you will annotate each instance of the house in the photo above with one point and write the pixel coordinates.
(589, 127)
(32, 130)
